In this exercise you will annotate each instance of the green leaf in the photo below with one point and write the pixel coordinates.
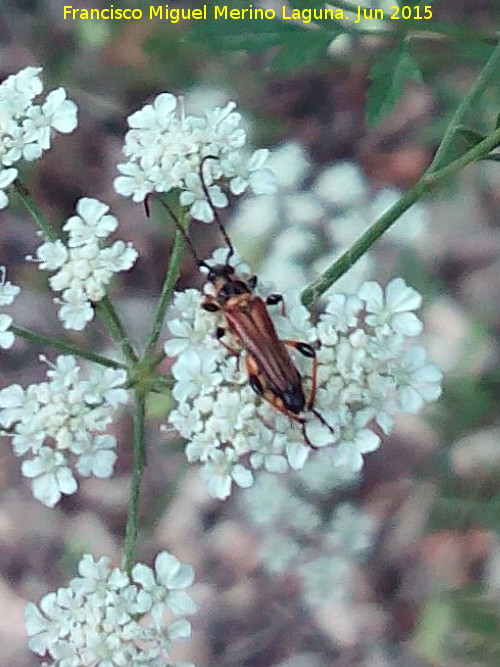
(476, 616)
(296, 45)
(240, 35)
(497, 123)
(433, 625)
(472, 137)
(303, 49)
(389, 78)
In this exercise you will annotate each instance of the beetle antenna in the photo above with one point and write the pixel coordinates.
(214, 210)
(189, 243)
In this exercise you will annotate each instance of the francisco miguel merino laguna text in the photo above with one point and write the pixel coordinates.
(176, 14)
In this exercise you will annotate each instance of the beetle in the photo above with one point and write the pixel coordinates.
(272, 374)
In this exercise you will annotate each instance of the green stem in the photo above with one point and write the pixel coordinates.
(109, 316)
(491, 69)
(135, 491)
(428, 181)
(166, 294)
(68, 348)
(48, 231)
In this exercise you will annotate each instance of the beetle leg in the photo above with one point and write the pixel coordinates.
(308, 351)
(210, 304)
(257, 384)
(219, 333)
(273, 299)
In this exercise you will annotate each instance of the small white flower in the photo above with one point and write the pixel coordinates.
(62, 420)
(17, 91)
(354, 441)
(52, 255)
(194, 197)
(7, 177)
(104, 619)
(220, 471)
(162, 588)
(192, 371)
(342, 312)
(51, 476)
(60, 112)
(6, 336)
(84, 268)
(8, 291)
(244, 173)
(95, 456)
(107, 384)
(269, 448)
(91, 222)
(135, 182)
(417, 381)
(75, 312)
(26, 128)
(394, 310)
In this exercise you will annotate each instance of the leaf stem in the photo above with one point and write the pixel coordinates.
(489, 71)
(106, 311)
(428, 181)
(63, 346)
(135, 491)
(166, 293)
(44, 225)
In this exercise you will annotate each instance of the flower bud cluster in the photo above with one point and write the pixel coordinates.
(366, 373)
(84, 268)
(60, 421)
(26, 128)
(8, 292)
(105, 617)
(165, 149)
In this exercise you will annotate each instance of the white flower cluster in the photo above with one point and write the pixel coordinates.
(84, 268)
(60, 420)
(366, 373)
(104, 618)
(26, 128)
(298, 537)
(8, 292)
(165, 150)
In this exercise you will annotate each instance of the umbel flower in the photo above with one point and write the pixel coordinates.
(104, 618)
(84, 268)
(366, 373)
(8, 292)
(26, 128)
(165, 149)
(61, 421)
